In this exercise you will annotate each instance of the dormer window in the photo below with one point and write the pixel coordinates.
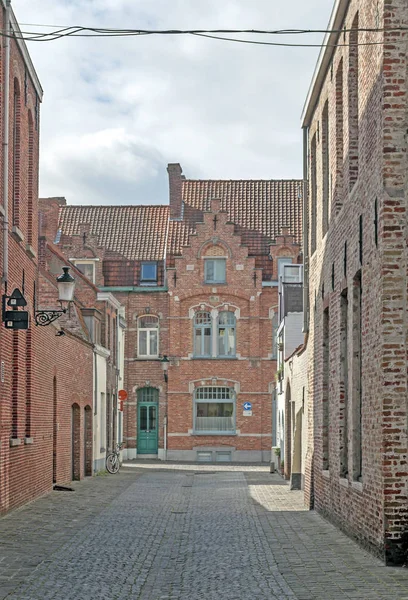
(86, 266)
(148, 275)
(87, 269)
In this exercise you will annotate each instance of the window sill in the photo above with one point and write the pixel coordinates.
(215, 283)
(17, 233)
(211, 433)
(147, 358)
(28, 441)
(214, 358)
(30, 251)
(15, 442)
(148, 284)
(357, 485)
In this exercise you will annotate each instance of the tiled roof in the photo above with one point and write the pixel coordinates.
(179, 232)
(135, 232)
(261, 205)
(259, 209)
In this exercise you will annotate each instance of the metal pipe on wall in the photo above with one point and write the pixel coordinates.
(6, 142)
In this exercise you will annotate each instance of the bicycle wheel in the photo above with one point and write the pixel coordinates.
(112, 463)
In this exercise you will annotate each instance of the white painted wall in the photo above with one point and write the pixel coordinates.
(121, 366)
(101, 355)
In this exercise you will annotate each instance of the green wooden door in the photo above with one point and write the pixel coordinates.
(147, 421)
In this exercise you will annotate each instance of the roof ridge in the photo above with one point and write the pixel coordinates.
(115, 206)
(300, 180)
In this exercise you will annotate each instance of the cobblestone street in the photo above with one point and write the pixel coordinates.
(170, 532)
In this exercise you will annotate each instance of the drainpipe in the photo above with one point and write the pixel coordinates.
(165, 437)
(305, 233)
(6, 144)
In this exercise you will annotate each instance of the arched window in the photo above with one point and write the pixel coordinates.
(226, 334)
(202, 334)
(148, 337)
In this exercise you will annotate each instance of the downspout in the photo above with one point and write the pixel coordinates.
(95, 411)
(165, 437)
(6, 146)
(305, 232)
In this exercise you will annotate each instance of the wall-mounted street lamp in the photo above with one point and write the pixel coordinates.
(165, 366)
(66, 287)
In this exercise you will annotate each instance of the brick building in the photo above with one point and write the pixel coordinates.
(47, 408)
(356, 118)
(100, 316)
(198, 280)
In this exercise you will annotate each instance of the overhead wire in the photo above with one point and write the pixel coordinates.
(218, 34)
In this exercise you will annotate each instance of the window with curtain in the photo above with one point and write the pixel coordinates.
(226, 334)
(214, 410)
(148, 336)
(202, 334)
(215, 270)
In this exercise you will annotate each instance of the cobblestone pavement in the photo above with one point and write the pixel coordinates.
(184, 532)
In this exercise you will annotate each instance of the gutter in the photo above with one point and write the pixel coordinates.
(323, 62)
(24, 52)
(305, 232)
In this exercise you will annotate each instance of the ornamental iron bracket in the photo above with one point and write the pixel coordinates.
(45, 317)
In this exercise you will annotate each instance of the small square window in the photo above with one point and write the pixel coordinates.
(88, 269)
(148, 273)
(215, 270)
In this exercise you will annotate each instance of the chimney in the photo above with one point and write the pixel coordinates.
(175, 190)
(49, 209)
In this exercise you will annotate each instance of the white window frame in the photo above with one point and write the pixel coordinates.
(215, 259)
(201, 327)
(85, 261)
(282, 262)
(216, 395)
(148, 330)
(227, 327)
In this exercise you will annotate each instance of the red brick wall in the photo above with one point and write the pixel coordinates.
(31, 359)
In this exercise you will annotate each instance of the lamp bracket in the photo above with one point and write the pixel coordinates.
(45, 317)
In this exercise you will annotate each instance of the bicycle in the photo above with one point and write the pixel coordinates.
(112, 460)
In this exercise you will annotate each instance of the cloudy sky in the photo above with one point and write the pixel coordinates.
(116, 111)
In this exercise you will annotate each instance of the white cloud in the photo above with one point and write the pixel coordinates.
(116, 110)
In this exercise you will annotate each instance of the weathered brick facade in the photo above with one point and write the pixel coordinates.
(357, 117)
